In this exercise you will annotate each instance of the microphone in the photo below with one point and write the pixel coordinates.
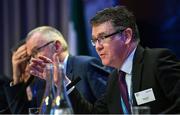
(74, 82)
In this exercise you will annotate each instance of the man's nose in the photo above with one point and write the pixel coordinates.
(98, 46)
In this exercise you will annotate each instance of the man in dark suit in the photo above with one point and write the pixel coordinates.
(3, 105)
(44, 42)
(151, 76)
(15, 89)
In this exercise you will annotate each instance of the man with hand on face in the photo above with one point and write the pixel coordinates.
(41, 45)
(23, 85)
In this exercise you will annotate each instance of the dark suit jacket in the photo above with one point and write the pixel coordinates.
(16, 97)
(3, 103)
(92, 85)
(92, 73)
(157, 69)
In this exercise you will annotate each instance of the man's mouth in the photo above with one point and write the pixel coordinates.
(102, 55)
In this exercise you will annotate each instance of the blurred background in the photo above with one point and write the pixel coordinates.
(158, 22)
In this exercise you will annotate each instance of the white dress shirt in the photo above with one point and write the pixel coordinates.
(127, 68)
(67, 81)
(65, 64)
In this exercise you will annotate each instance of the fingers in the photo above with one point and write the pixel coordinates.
(37, 74)
(19, 60)
(37, 66)
(37, 62)
(20, 55)
(45, 59)
(20, 52)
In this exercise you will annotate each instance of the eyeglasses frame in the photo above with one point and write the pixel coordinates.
(94, 41)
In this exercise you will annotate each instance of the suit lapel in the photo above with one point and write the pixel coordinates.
(114, 94)
(137, 71)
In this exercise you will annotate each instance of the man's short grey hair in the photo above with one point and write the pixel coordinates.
(49, 34)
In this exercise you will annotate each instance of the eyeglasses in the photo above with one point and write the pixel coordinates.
(103, 39)
(36, 50)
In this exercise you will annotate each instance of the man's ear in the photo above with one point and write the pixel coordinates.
(57, 46)
(128, 35)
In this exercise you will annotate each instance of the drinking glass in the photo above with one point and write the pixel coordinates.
(34, 111)
(140, 110)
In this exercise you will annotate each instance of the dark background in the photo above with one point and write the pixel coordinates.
(158, 22)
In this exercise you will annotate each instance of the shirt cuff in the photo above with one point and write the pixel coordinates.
(67, 82)
(70, 90)
(11, 84)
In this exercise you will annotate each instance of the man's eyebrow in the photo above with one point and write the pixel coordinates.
(102, 34)
(99, 35)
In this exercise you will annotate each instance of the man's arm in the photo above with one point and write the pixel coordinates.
(169, 73)
(97, 77)
(17, 98)
(4, 109)
(80, 105)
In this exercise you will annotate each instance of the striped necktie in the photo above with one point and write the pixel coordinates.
(124, 98)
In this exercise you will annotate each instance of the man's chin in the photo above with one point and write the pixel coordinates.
(105, 63)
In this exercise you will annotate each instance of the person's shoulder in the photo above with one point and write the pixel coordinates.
(86, 59)
(4, 79)
(83, 57)
(160, 52)
(91, 62)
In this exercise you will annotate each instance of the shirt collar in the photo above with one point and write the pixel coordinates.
(65, 63)
(127, 65)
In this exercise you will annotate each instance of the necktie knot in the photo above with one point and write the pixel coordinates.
(122, 75)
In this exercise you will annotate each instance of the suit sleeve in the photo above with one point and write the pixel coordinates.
(80, 105)
(97, 78)
(17, 98)
(4, 109)
(169, 79)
